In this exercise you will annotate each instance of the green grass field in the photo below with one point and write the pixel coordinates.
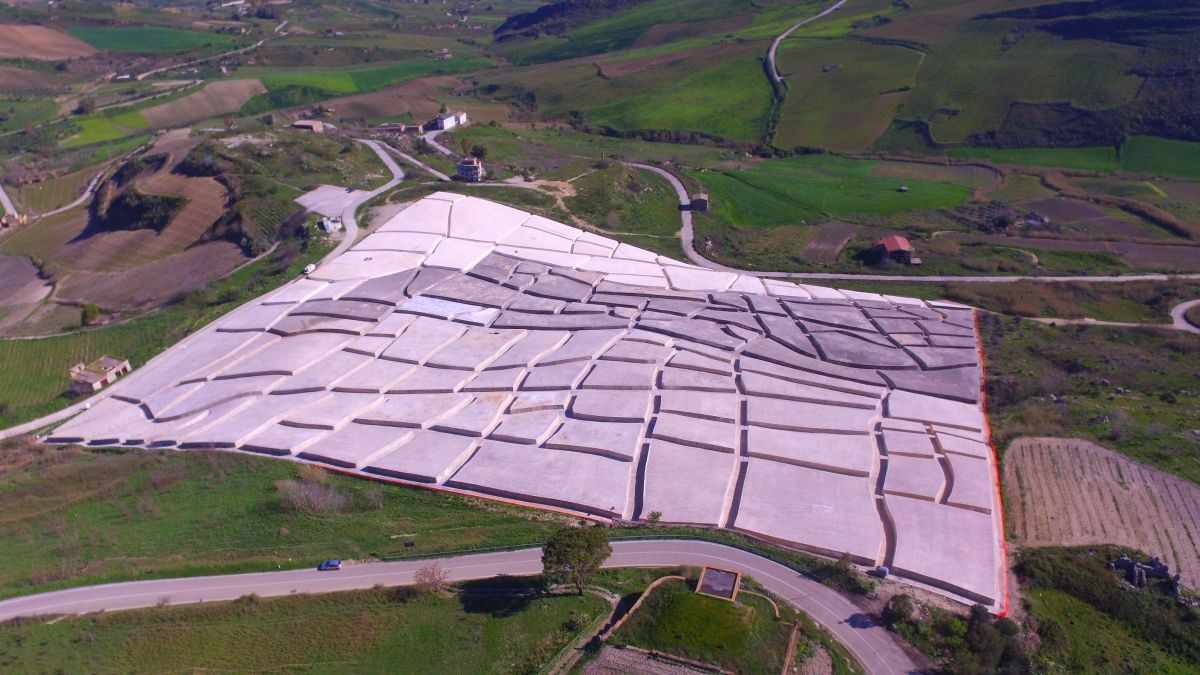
(970, 78)
(101, 127)
(848, 107)
(148, 39)
(627, 200)
(1089, 159)
(374, 631)
(16, 115)
(731, 100)
(744, 636)
(1146, 154)
(790, 191)
(361, 79)
(622, 29)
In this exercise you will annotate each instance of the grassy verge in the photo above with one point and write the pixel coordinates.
(381, 630)
(1088, 620)
(75, 517)
(34, 373)
(744, 636)
(1132, 390)
(626, 200)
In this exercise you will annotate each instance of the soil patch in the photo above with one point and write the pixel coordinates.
(217, 98)
(20, 282)
(827, 244)
(152, 284)
(41, 43)
(1069, 492)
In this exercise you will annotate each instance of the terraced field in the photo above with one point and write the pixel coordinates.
(1065, 492)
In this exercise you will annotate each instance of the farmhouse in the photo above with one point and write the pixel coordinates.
(315, 126)
(470, 169)
(97, 374)
(896, 248)
(450, 120)
(700, 202)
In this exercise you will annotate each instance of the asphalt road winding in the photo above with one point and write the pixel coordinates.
(870, 644)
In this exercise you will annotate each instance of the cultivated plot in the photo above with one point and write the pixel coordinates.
(1067, 492)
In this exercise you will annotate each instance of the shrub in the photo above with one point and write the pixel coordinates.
(90, 314)
(312, 498)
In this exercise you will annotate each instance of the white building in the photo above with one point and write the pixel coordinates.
(451, 120)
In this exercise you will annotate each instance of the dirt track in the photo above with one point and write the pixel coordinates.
(1070, 491)
(41, 43)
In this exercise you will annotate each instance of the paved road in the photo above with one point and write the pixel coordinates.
(873, 646)
(348, 220)
(7, 203)
(417, 163)
(431, 138)
(773, 70)
(687, 239)
(1178, 319)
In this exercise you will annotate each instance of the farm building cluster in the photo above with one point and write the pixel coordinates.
(469, 346)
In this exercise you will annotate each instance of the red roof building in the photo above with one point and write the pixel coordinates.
(897, 248)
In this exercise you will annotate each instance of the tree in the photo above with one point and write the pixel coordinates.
(573, 554)
(653, 518)
(86, 106)
(90, 314)
(479, 151)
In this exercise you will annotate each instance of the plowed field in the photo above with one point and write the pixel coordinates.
(215, 99)
(1074, 492)
(39, 42)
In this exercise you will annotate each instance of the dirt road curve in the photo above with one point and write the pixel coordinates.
(872, 645)
(687, 237)
(773, 70)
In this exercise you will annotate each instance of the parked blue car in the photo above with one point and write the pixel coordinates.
(329, 565)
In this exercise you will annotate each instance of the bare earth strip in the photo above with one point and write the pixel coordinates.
(1074, 492)
(39, 42)
(150, 284)
(827, 244)
(218, 98)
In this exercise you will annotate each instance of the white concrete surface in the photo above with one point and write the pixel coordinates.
(468, 345)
